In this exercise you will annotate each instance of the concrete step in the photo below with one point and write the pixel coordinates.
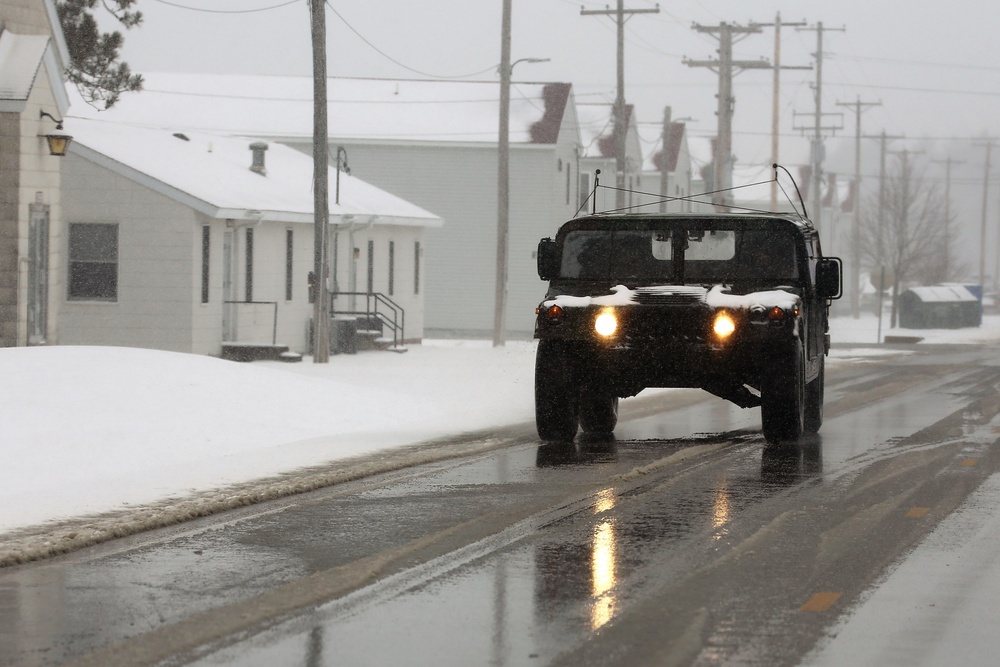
(258, 352)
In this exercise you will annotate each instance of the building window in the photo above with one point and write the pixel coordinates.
(584, 188)
(392, 267)
(249, 276)
(371, 267)
(569, 176)
(206, 239)
(93, 262)
(416, 267)
(288, 265)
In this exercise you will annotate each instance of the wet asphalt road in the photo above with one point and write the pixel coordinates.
(684, 541)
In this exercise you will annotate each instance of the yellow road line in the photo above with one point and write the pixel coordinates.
(917, 512)
(820, 602)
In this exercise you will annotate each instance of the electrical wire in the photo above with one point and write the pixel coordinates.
(919, 63)
(396, 62)
(226, 11)
(908, 89)
(258, 98)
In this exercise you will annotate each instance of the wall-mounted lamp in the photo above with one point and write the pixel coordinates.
(58, 143)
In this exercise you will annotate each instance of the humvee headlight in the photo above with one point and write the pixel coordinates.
(723, 326)
(554, 312)
(606, 324)
(776, 313)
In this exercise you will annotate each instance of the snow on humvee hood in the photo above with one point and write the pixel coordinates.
(717, 297)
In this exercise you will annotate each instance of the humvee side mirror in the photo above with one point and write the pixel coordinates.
(829, 283)
(548, 259)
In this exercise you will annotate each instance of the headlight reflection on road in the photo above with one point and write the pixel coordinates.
(603, 563)
(721, 510)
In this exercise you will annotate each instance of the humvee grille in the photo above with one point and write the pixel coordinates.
(670, 296)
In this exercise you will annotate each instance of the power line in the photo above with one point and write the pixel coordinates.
(920, 63)
(396, 62)
(257, 98)
(227, 11)
(909, 89)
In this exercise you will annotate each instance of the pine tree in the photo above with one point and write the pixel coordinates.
(94, 65)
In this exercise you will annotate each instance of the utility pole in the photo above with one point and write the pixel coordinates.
(726, 68)
(982, 227)
(620, 15)
(321, 186)
(818, 128)
(503, 187)
(665, 163)
(506, 70)
(776, 96)
(855, 291)
(996, 263)
(666, 138)
(947, 214)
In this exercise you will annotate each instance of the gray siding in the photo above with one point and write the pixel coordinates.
(27, 17)
(155, 276)
(10, 166)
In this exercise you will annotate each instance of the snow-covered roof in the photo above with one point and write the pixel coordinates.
(212, 174)
(942, 293)
(700, 148)
(20, 58)
(597, 128)
(654, 159)
(62, 50)
(384, 110)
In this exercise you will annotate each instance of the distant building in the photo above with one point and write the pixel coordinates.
(670, 169)
(185, 241)
(597, 136)
(433, 143)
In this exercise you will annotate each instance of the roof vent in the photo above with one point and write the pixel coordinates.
(258, 148)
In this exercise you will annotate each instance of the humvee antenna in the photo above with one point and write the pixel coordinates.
(597, 183)
(776, 167)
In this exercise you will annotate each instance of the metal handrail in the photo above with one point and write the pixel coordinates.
(396, 322)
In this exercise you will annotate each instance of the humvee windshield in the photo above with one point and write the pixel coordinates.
(649, 256)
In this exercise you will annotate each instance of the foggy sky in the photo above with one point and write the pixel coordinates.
(933, 66)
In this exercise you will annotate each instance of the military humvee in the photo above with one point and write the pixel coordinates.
(735, 304)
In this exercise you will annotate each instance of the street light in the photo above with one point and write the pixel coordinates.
(527, 60)
(503, 185)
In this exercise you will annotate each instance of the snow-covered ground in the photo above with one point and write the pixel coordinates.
(97, 429)
(149, 438)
